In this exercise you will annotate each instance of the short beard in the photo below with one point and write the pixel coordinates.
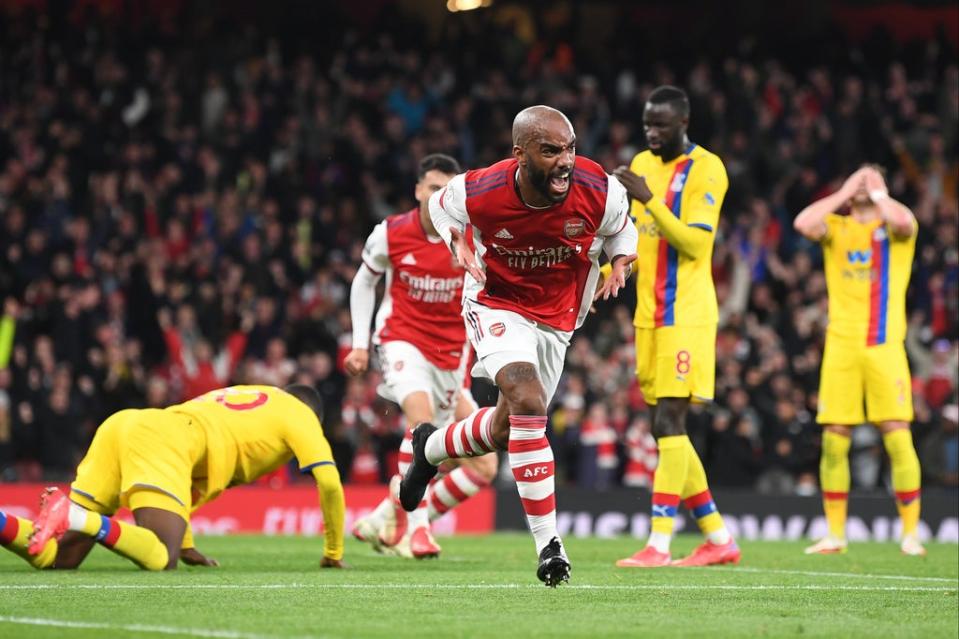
(540, 181)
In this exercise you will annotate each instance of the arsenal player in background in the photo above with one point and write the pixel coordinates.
(423, 352)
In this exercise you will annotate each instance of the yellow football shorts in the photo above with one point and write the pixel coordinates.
(676, 361)
(148, 450)
(852, 372)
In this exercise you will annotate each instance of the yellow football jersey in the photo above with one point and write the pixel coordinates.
(672, 289)
(250, 431)
(867, 274)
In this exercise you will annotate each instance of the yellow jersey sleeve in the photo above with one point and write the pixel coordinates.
(305, 438)
(304, 435)
(707, 186)
(333, 505)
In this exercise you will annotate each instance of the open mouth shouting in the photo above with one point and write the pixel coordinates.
(559, 183)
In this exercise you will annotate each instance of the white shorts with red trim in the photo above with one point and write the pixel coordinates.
(407, 371)
(502, 337)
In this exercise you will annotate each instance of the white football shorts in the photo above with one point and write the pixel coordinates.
(502, 337)
(407, 371)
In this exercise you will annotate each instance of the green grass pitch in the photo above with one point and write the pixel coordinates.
(271, 587)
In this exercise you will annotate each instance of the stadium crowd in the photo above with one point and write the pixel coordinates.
(183, 206)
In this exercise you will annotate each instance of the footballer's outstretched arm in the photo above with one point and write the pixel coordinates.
(449, 216)
(448, 209)
(333, 505)
(620, 241)
(617, 229)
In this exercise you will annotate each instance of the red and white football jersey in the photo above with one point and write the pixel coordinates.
(540, 263)
(424, 290)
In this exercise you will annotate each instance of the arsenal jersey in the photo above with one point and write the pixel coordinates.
(424, 290)
(539, 263)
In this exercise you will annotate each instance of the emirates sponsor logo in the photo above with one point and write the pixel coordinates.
(430, 283)
(532, 258)
(497, 329)
(426, 288)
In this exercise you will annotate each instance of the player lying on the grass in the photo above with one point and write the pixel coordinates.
(163, 464)
(867, 256)
(540, 220)
(421, 340)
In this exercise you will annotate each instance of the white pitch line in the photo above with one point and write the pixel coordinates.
(507, 586)
(812, 573)
(162, 630)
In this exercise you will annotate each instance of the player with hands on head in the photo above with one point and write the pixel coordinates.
(867, 256)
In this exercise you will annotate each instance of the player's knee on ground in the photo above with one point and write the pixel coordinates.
(484, 466)
(72, 549)
(670, 418)
(162, 516)
(522, 388)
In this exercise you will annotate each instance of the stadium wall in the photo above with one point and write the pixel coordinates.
(586, 513)
(580, 513)
(288, 511)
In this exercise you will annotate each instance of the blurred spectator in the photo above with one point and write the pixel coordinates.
(199, 367)
(642, 454)
(940, 450)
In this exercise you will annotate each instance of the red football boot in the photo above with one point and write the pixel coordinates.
(422, 544)
(648, 557)
(52, 521)
(710, 554)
